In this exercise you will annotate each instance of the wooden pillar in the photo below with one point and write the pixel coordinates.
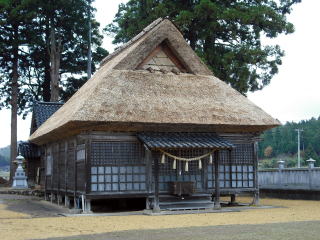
(59, 173)
(216, 181)
(66, 198)
(88, 206)
(232, 196)
(255, 200)
(52, 153)
(156, 207)
(88, 166)
(204, 172)
(66, 201)
(233, 199)
(148, 160)
(75, 172)
(45, 172)
(147, 203)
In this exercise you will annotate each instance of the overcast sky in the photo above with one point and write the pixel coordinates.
(293, 94)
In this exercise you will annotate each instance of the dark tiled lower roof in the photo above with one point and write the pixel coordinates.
(43, 110)
(183, 140)
(28, 150)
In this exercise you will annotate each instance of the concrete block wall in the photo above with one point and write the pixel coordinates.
(290, 178)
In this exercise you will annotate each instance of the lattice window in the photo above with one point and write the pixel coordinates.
(242, 176)
(235, 176)
(237, 172)
(104, 153)
(117, 166)
(194, 174)
(123, 178)
(241, 154)
(166, 173)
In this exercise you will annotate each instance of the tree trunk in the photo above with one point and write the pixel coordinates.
(192, 38)
(55, 48)
(208, 47)
(14, 106)
(89, 43)
(46, 94)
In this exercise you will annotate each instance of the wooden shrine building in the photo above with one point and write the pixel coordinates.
(33, 154)
(153, 122)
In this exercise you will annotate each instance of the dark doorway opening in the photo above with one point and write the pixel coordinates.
(118, 205)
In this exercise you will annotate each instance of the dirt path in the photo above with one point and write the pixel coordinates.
(17, 225)
(18, 206)
(273, 231)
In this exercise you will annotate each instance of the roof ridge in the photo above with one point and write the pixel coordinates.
(134, 39)
(49, 103)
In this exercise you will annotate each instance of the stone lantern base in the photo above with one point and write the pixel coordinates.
(20, 179)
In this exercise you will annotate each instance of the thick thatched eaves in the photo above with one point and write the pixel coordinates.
(123, 97)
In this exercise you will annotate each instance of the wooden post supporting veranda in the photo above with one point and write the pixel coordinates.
(75, 173)
(255, 200)
(66, 197)
(87, 174)
(216, 181)
(156, 207)
(45, 172)
(232, 196)
(148, 160)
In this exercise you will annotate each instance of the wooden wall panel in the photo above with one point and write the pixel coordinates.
(70, 160)
(62, 168)
(81, 176)
(55, 170)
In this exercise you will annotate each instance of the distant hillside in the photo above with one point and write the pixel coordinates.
(4, 156)
(281, 142)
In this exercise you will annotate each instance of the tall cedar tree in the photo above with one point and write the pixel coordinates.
(30, 31)
(59, 35)
(62, 27)
(225, 34)
(13, 36)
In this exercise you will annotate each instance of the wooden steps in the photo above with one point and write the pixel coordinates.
(194, 202)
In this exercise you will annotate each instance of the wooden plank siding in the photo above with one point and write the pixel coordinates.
(127, 175)
(61, 168)
(71, 170)
(42, 168)
(55, 167)
(81, 176)
(66, 164)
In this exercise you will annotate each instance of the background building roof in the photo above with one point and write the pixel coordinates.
(42, 111)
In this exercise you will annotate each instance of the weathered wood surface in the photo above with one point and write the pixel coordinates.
(70, 176)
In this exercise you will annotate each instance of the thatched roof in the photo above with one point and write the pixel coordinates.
(120, 97)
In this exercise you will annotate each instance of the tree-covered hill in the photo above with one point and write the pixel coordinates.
(282, 141)
(4, 156)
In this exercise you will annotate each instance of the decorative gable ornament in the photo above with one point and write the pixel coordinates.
(162, 59)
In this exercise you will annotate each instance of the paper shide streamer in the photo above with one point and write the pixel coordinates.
(186, 160)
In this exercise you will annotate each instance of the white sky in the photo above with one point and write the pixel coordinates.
(293, 95)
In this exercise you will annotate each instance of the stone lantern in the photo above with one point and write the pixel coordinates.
(281, 164)
(20, 179)
(311, 162)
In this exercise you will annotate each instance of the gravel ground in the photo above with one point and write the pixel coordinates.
(20, 206)
(30, 218)
(283, 231)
